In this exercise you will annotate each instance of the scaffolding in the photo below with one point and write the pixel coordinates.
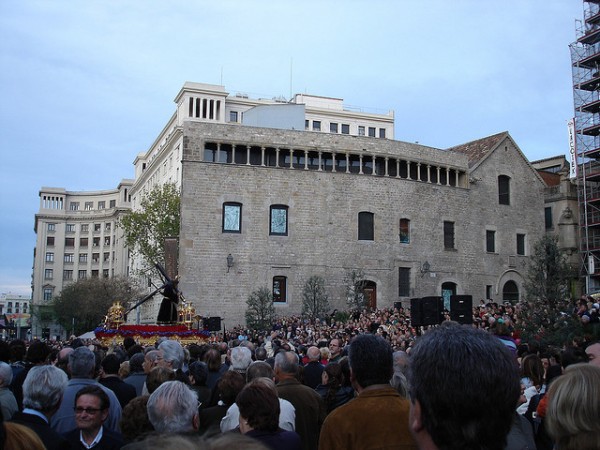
(585, 59)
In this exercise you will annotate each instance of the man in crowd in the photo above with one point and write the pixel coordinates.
(310, 408)
(137, 375)
(313, 369)
(42, 394)
(110, 379)
(335, 350)
(173, 356)
(173, 408)
(593, 353)
(91, 411)
(82, 364)
(378, 416)
(464, 386)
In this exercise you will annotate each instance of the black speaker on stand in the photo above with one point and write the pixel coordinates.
(461, 309)
(426, 311)
(212, 324)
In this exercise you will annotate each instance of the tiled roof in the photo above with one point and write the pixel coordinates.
(478, 149)
(551, 179)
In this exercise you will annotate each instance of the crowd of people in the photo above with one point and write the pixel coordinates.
(364, 380)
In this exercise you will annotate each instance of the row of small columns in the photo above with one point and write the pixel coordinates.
(347, 157)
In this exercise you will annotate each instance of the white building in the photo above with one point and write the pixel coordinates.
(15, 317)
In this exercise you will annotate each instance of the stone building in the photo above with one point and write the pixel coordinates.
(416, 221)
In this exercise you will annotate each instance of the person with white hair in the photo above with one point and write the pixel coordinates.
(8, 402)
(173, 357)
(173, 408)
(43, 391)
(241, 358)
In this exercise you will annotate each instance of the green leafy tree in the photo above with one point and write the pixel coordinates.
(84, 304)
(315, 301)
(158, 218)
(545, 315)
(261, 312)
(355, 290)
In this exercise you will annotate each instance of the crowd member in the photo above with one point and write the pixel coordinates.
(91, 411)
(332, 388)
(158, 376)
(228, 387)
(82, 367)
(110, 379)
(532, 378)
(20, 437)
(259, 417)
(261, 370)
(381, 412)
(573, 415)
(135, 423)
(216, 368)
(137, 375)
(241, 358)
(313, 368)
(173, 356)
(43, 391)
(173, 408)
(198, 374)
(310, 408)
(593, 353)
(35, 355)
(448, 409)
(399, 380)
(8, 403)
(335, 350)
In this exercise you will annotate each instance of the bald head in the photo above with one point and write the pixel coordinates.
(313, 353)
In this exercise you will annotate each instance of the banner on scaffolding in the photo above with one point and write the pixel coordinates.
(572, 149)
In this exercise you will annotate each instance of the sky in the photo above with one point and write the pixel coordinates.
(85, 86)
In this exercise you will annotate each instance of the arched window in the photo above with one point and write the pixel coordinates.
(510, 292)
(366, 226)
(503, 190)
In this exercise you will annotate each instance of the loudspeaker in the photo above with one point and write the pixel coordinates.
(461, 308)
(432, 308)
(212, 324)
(416, 315)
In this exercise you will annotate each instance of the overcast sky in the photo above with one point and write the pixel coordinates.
(87, 85)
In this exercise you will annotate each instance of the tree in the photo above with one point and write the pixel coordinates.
(261, 312)
(81, 306)
(545, 314)
(355, 290)
(315, 301)
(158, 218)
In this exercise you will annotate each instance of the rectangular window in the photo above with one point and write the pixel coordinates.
(97, 227)
(105, 273)
(316, 125)
(107, 240)
(382, 133)
(48, 274)
(50, 240)
(95, 257)
(83, 242)
(488, 291)
(233, 116)
(333, 127)
(49, 257)
(107, 226)
(366, 221)
(279, 289)
(113, 203)
(69, 258)
(372, 131)
(490, 241)
(74, 206)
(85, 227)
(279, 220)
(232, 218)
(101, 205)
(96, 242)
(82, 275)
(520, 244)
(503, 190)
(404, 231)
(106, 257)
(403, 282)
(95, 274)
(67, 274)
(47, 294)
(89, 206)
(345, 128)
(51, 227)
(548, 218)
(361, 130)
(306, 124)
(70, 228)
(83, 257)
(69, 242)
(448, 235)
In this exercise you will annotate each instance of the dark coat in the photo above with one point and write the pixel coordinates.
(277, 440)
(124, 391)
(312, 374)
(111, 440)
(51, 439)
(343, 395)
(310, 410)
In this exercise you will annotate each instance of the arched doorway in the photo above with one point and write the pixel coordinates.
(448, 289)
(370, 292)
(510, 292)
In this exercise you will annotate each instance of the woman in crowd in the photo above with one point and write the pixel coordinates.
(332, 388)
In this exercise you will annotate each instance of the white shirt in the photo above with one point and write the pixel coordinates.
(94, 442)
(287, 417)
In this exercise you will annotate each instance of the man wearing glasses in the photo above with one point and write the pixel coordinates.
(91, 410)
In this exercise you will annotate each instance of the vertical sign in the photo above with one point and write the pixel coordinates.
(572, 149)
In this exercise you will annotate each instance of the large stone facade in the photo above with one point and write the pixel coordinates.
(327, 184)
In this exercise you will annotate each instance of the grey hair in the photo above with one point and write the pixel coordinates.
(43, 388)
(172, 407)
(82, 362)
(172, 352)
(6, 374)
(241, 358)
(287, 362)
